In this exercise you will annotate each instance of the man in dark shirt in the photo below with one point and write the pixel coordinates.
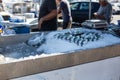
(64, 7)
(47, 20)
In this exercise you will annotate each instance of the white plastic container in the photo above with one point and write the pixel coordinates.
(29, 15)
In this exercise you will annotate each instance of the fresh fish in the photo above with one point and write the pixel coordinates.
(78, 37)
(36, 40)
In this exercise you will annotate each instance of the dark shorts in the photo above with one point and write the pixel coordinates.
(66, 25)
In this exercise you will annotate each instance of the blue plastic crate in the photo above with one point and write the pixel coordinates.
(21, 30)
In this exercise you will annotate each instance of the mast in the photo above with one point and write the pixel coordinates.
(90, 9)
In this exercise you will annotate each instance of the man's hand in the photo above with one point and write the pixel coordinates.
(95, 15)
(40, 23)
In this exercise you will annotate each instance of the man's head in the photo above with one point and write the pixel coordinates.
(0, 1)
(103, 2)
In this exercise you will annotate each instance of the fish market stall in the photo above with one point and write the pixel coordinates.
(27, 54)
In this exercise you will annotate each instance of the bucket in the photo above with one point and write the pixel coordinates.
(22, 30)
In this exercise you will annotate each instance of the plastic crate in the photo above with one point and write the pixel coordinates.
(21, 30)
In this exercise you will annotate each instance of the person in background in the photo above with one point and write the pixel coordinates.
(47, 20)
(64, 7)
(105, 11)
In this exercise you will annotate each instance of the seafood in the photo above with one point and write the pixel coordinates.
(78, 37)
(36, 40)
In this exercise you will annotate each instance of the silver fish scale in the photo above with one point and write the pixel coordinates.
(79, 38)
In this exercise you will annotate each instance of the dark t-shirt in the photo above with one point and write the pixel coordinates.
(65, 7)
(46, 7)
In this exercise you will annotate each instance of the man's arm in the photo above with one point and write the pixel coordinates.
(99, 16)
(98, 13)
(49, 16)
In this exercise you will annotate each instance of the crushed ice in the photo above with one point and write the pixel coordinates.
(64, 41)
